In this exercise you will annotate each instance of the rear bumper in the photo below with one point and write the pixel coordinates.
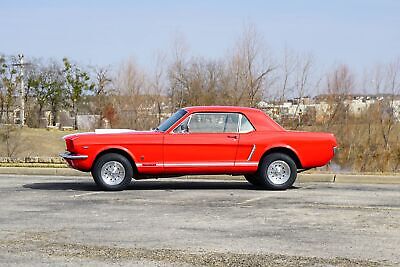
(335, 150)
(71, 156)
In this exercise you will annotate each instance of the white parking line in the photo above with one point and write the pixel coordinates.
(86, 194)
(327, 205)
(252, 200)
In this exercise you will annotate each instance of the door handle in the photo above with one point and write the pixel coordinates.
(232, 136)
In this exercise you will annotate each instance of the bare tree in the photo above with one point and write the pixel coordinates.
(249, 69)
(130, 83)
(157, 85)
(340, 83)
(53, 84)
(392, 85)
(178, 83)
(286, 72)
(2, 88)
(76, 83)
(101, 90)
(9, 81)
(10, 136)
(37, 84)
(302, 80)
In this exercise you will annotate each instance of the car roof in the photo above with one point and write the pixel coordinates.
(220, 109)
(260, 120)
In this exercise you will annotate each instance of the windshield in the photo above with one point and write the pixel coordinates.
(165, 125)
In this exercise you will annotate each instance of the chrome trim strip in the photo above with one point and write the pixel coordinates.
(253, 163)
(68, 155)
(240, 122)
(199, 164)
(189, 118)
(251, 152)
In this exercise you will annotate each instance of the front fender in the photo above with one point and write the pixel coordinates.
(115, 147)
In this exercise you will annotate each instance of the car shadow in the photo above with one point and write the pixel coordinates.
(78, 186)
(150, 185)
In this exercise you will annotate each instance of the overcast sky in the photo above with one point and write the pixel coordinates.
(359, 33)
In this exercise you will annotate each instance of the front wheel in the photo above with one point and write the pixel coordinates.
(112, 172)
(277, 171)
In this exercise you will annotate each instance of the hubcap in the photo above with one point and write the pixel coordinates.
(112, 172)
(278, 172)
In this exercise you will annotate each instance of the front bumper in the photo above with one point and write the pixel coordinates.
(71, 156)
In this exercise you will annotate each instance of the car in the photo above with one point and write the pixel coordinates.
(201, 140)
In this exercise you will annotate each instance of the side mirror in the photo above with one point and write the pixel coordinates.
(184, 128)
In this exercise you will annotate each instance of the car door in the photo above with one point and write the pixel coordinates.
(203, 143)
(247, 152)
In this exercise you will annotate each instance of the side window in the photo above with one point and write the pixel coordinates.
(207, 123)
(245, 125)
(231, 123)
(210, 123)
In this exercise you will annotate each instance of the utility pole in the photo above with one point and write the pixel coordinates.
(22, 111)
(21, 65)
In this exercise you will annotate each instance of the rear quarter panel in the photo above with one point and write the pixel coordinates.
(312, 149)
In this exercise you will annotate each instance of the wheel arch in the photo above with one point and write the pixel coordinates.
(284, 150)
(118, 150)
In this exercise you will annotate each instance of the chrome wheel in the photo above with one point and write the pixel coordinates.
(278, 172)
(112, 173)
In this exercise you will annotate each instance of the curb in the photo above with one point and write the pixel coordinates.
(42, 171)
(302, 177)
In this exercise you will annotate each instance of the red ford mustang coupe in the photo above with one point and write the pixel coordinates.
(201, 140)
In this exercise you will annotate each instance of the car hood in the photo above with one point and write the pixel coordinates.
(106, 133)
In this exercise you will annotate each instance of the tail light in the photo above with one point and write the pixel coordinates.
(70, 145)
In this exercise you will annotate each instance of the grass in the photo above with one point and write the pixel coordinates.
(31, 142)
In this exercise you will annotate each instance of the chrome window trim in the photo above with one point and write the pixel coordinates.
(202, 113)
(240, 123)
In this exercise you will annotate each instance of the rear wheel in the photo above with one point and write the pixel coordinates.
(277, 171)
(112, 172)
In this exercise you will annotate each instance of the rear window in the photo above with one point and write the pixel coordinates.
(245, 125)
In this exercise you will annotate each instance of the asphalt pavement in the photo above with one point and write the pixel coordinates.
(65, 220)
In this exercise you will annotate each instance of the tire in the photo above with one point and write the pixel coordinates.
(112, 172)
(278, 171)
(253, 179)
